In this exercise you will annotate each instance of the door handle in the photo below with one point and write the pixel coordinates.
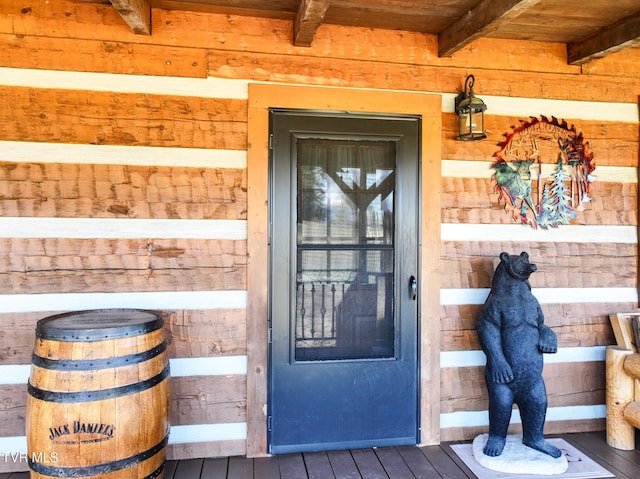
(413, 287)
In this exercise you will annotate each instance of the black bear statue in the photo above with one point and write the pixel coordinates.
(514, 337)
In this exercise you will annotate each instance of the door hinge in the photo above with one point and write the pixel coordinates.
(269, 423)
(271, 141)
(270, 335)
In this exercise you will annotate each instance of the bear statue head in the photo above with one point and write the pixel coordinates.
(518, 267)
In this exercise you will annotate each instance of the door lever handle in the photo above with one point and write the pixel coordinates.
(413, 287)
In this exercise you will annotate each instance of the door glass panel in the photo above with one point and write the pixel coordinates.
(345, 250)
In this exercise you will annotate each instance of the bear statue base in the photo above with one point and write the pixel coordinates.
(516, 458)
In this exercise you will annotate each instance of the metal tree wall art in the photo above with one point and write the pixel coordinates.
(543, 173)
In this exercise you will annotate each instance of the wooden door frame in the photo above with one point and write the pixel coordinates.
(429, 107)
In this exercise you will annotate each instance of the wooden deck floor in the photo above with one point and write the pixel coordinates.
(433, 462)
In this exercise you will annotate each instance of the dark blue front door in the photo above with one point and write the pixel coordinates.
(344, 214)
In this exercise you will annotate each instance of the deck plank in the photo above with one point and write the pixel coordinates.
(393, 463)
(343, 465)
(239, 468)
(417, 462)
(266, 468)
(189, 469)
(406, 462)
(443, 464)
(368, 464)
(292, 466)
(170, 469)
(318, 465)
(624, 464)
(215, 468)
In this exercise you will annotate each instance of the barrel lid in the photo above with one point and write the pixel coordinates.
(99, 324)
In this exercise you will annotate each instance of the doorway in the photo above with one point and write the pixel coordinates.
(344, 233)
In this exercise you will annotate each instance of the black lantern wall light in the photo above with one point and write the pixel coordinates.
(470, 110)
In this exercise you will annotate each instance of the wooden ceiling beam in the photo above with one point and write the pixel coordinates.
(484, 18)
(612, 39)
(137, 14)
(308, 19)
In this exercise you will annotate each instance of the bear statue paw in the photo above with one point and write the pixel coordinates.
(502, 376)
(543, 446)
(494, 446)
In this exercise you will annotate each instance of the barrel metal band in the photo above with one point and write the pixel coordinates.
(96, 364)
(45, 331)
(99, 394)
(83, 471)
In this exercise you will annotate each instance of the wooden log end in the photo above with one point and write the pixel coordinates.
(632, 414)
(619, 394)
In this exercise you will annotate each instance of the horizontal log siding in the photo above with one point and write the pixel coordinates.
(35, 187)
(576, 324)
(616, 143)
(81, 116)
(560, 265)
(473, 200)
(121, 191)
(185, 114)
(198, 333)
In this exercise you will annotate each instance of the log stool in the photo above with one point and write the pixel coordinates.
(623, 382)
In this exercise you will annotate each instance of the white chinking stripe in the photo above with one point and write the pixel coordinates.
(238, 89)
(482, 169)
(121, 228)
(32, 227)
(561, 109)
(465, 359)
(209, 366)
(186, 434)
(545, 295)
(122, 83)
(518, 232)
(14, 374)
(563, 413)
(168, 300)
(40, 152)
(180, 367)
(12, 447)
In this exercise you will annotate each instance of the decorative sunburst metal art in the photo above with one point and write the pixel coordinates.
(543, 173)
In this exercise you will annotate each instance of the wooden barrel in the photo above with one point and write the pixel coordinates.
(99, 396)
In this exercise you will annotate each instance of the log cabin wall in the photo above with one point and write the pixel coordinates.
(123, 183)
